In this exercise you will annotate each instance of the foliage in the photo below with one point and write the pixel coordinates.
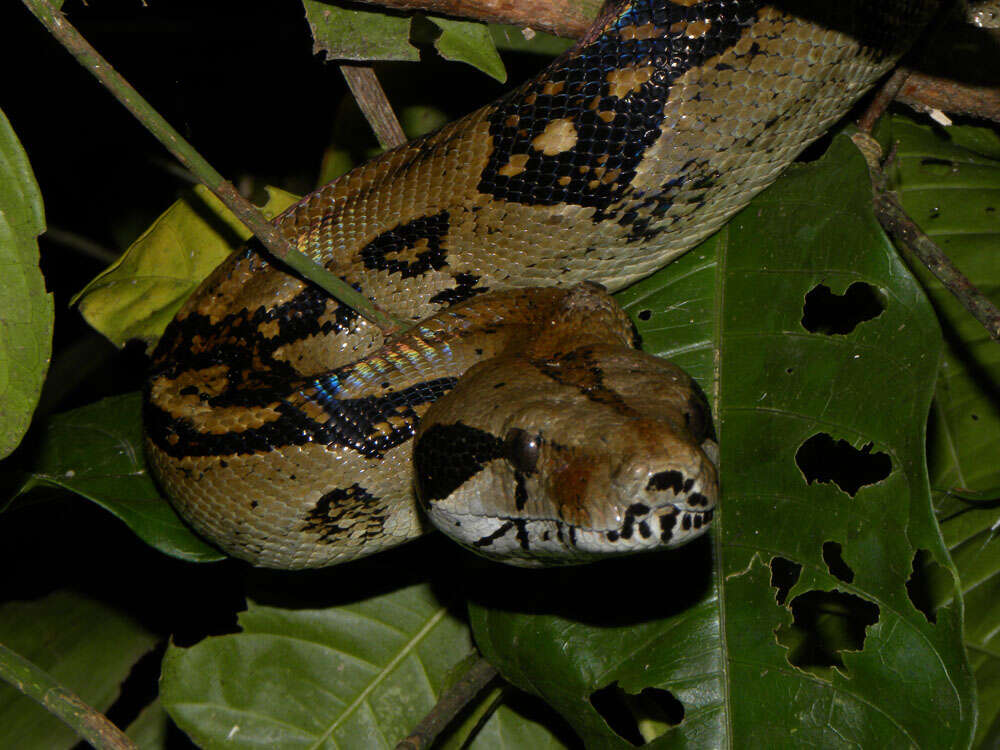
(953, 189)
(825, 609)
(26, 311)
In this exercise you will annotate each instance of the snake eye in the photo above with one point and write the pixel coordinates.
(521, 449)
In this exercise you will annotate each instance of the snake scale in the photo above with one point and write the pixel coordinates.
(281, 424)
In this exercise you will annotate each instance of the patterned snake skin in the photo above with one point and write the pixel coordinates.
(280, 423)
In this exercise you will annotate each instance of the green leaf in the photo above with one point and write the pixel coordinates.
(349, 34)
(97, 451)
(358, 675)
(26, 310)
(950, 183)
(793, 623)
(515, 724)
(151, 728)
(140, 293)
(85, 645)
(469, 42)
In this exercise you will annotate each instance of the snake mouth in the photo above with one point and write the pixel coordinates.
(672, 524)
(531, 542)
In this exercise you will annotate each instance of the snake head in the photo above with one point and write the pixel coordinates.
(598, 451)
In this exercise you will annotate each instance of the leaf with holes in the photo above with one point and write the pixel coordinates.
(96, 451)
(797, 622)
(358, 675)
(950, 183)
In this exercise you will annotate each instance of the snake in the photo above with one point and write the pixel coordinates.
(516, 413)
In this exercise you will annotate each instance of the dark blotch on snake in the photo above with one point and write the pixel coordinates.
(520, 491)
(486, 541)
(667, 524)
(447, 455)
(667, 480)
(522, 533)
(346, 510)
(378, 254)
(350, 423)
(465, 287)
(239, 345)
(635, 118)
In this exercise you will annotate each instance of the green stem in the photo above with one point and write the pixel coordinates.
(34, 682)
(264, 230)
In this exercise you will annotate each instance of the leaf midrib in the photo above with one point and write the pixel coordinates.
(386, 671)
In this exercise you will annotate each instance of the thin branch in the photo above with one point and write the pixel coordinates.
(80, 244)
(898, 225)
(924, 92)
(449, 705)
(34, 682)
(374, 104)
(265, 231)
(904, 230)
(882, 99)
(568, 18)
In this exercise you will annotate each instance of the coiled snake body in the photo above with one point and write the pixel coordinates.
(280, 423)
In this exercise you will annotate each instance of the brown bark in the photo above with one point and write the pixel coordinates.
(568, 18)
(374, 104)
(925, 92)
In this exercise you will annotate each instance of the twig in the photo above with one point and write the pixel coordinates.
(882, 99)
(34, 682)
(81, 244)
(904, 230)
(897, 223)
(568, 18)
(374, 104)
(449, 705)
(264, 230)
(924, 92)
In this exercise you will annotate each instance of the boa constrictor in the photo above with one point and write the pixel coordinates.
(279, 422)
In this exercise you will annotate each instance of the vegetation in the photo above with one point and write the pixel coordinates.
(849, 592)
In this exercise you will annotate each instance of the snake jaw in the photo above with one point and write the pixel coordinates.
(638, 510)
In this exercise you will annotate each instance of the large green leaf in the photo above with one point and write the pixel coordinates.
(26, 310)
(357, 675)
(950, 183)
(85, 645)
(794, 625)
(96, 451)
